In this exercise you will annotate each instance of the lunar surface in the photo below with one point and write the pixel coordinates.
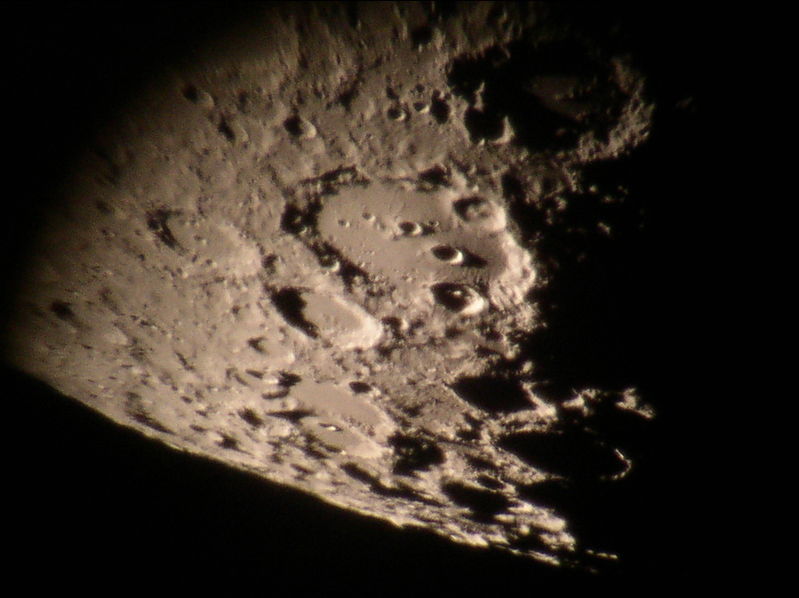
(317, 254)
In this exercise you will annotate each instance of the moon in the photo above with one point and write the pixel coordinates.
(327, 249)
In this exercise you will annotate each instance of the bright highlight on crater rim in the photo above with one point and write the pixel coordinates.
(308, 256)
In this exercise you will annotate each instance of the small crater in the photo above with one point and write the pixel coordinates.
(572, 452)
(329, 261)
(497, 15)
(440, 110)
(226, 131)
(414, 454)
(458, 298)
(395, 325)
(448, 254)
(411, 229)
(353, 19)
(531, 542)
(512, 188)
(330, 427)
(480, 462)
(330, 258)
(360, 387)
(549, 493)
(338, 177)
(62, 310)
(157, 222)
(290, 304)
(358, 473)
(296, 222)
(421, 36)
(184, 363)
(137, 352)
(233, 374)
(289, 379)
(251, 417)
(483, 504)
(492, 335)
(190, 93)
(257, 344)
(472, 260)
(468, 435)
(293, 125)
(269, 263)
(453, 332)
(303, 471)
(277, 394)
(346, 97)
(473, 209)
(396, 113)
(482, 125)
(441, 10)
(315, 454)
(152, 423)
(401, 491)
(294, 415)
(437, 176)
(375, 485)
(489, 482)
(229, 442)
(412, 410)
(351, 274)
(495, 395)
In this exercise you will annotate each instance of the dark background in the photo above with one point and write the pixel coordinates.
(83, 489)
